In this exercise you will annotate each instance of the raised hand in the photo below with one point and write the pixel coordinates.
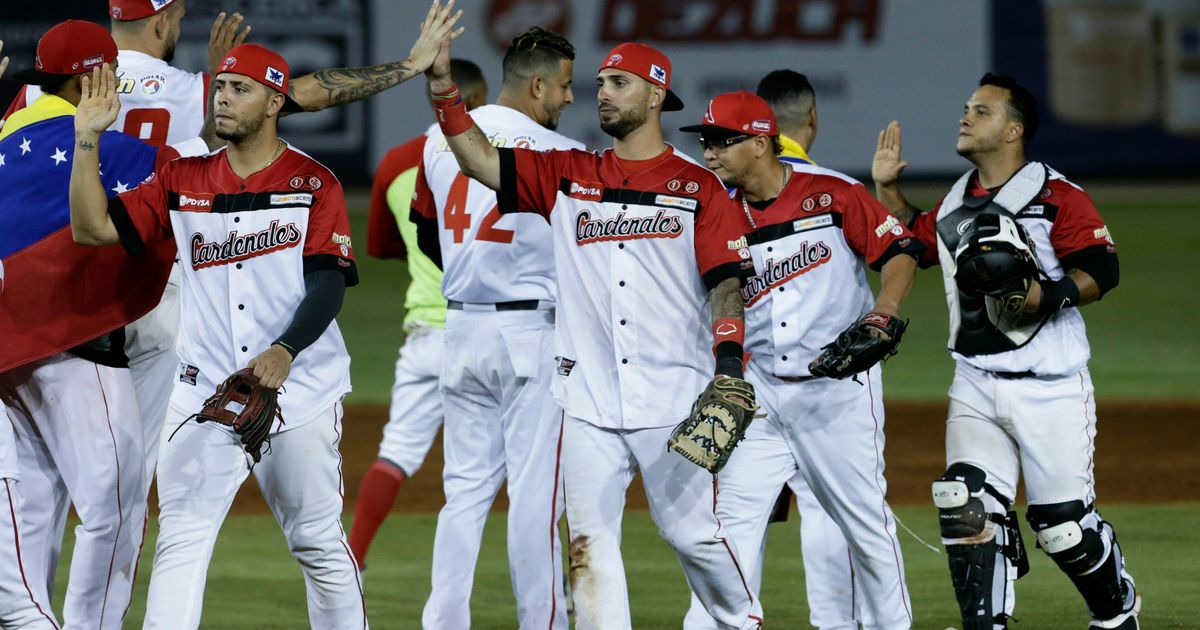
(433, 44)
(98, 103)
(887, 165)
(3, 60)
(223, 37)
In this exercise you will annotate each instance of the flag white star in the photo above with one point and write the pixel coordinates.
(59, 156)
(1, 159)
(120, 187)
(25, 145)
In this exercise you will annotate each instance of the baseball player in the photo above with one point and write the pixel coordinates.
(19, 607)
(162, 104)
(501, 421)
(75, 448)
(764, 457)
(265, 235)
(814, 231)
(640, 239)
(416, 412)
(1022, 397)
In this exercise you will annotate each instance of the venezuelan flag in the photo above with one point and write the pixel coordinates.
(55, 294)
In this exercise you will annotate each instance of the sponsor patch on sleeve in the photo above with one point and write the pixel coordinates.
(886, 226)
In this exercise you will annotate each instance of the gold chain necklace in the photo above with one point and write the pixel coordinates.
(278, 152)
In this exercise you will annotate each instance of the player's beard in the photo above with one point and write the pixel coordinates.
(626, 122)
(243, 129)
(552, 115)
(976, 146)
(169, 53)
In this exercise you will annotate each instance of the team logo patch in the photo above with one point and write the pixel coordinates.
(675, 202)
(292, 199)
(153, 84)
(626, 228)
(195, 202)
(744, 252)
(314, 182)
(93, 61)
(708, 115)
(658, 73)
(188, 373)
(691, 187)
(808, 256)
(159, 4)
(116, 12)
(964, 226)
(565, 365)
(345, 250)
(524, 142)
(243, 246)
(587, 191)
(615, 59)
(1045, 194)
(310, 182)
(825, 200)
(761, 125)
(812, 223)
(230, 62)
(816, 200)
(275, 77)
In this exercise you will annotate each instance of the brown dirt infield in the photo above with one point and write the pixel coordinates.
(1144, 454)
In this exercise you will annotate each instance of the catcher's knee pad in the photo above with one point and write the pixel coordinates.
(983, 545)
(1085, 547)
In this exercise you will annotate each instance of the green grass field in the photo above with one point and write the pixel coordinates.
(254, 583)
(1142, 343)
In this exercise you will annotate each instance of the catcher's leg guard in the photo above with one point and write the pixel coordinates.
(983, 545)
(1085, 547)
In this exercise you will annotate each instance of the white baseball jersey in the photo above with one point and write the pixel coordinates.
(1060, 219)
(245, 246)
(637, 246)
(160, 104)
(810, 248)
(482, 250)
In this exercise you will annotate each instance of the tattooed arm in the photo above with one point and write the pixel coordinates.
(728, 315)
(98, 107)
(338, 86)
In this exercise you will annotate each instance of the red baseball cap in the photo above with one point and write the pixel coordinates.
(737, 112)
(130, 10)
(648, 63)
(70, 48)
(262, 65)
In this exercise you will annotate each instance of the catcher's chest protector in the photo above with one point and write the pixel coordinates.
(971, 330)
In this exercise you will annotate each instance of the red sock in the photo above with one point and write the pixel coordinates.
(376, 495)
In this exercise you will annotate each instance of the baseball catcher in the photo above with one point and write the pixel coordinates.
(870, 340)
(244, 405)
(718, 421)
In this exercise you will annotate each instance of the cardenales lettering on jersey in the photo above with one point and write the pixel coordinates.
(243, 246)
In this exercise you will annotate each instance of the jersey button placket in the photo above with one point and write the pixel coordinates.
(624, 335)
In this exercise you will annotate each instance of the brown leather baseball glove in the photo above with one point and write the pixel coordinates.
(246, 406)
(718, 421)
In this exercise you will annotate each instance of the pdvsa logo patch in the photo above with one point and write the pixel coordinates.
(195, 202)
(153, 84)
(587, 191)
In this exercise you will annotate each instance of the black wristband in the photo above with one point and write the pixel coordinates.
(730, 365)
(1057, 295)
(290, 350)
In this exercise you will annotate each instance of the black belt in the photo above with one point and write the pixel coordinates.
(517, 305)
(1009, 376)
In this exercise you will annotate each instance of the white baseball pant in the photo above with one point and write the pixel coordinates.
(200, 470)
(416, 411)
(18, 606)
(1044, 428)
(501, 423)
(79, 439)
(598, 466)
(834, 429)
(748, 488)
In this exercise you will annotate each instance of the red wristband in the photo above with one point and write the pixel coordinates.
(729, 329)
(453, 117)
